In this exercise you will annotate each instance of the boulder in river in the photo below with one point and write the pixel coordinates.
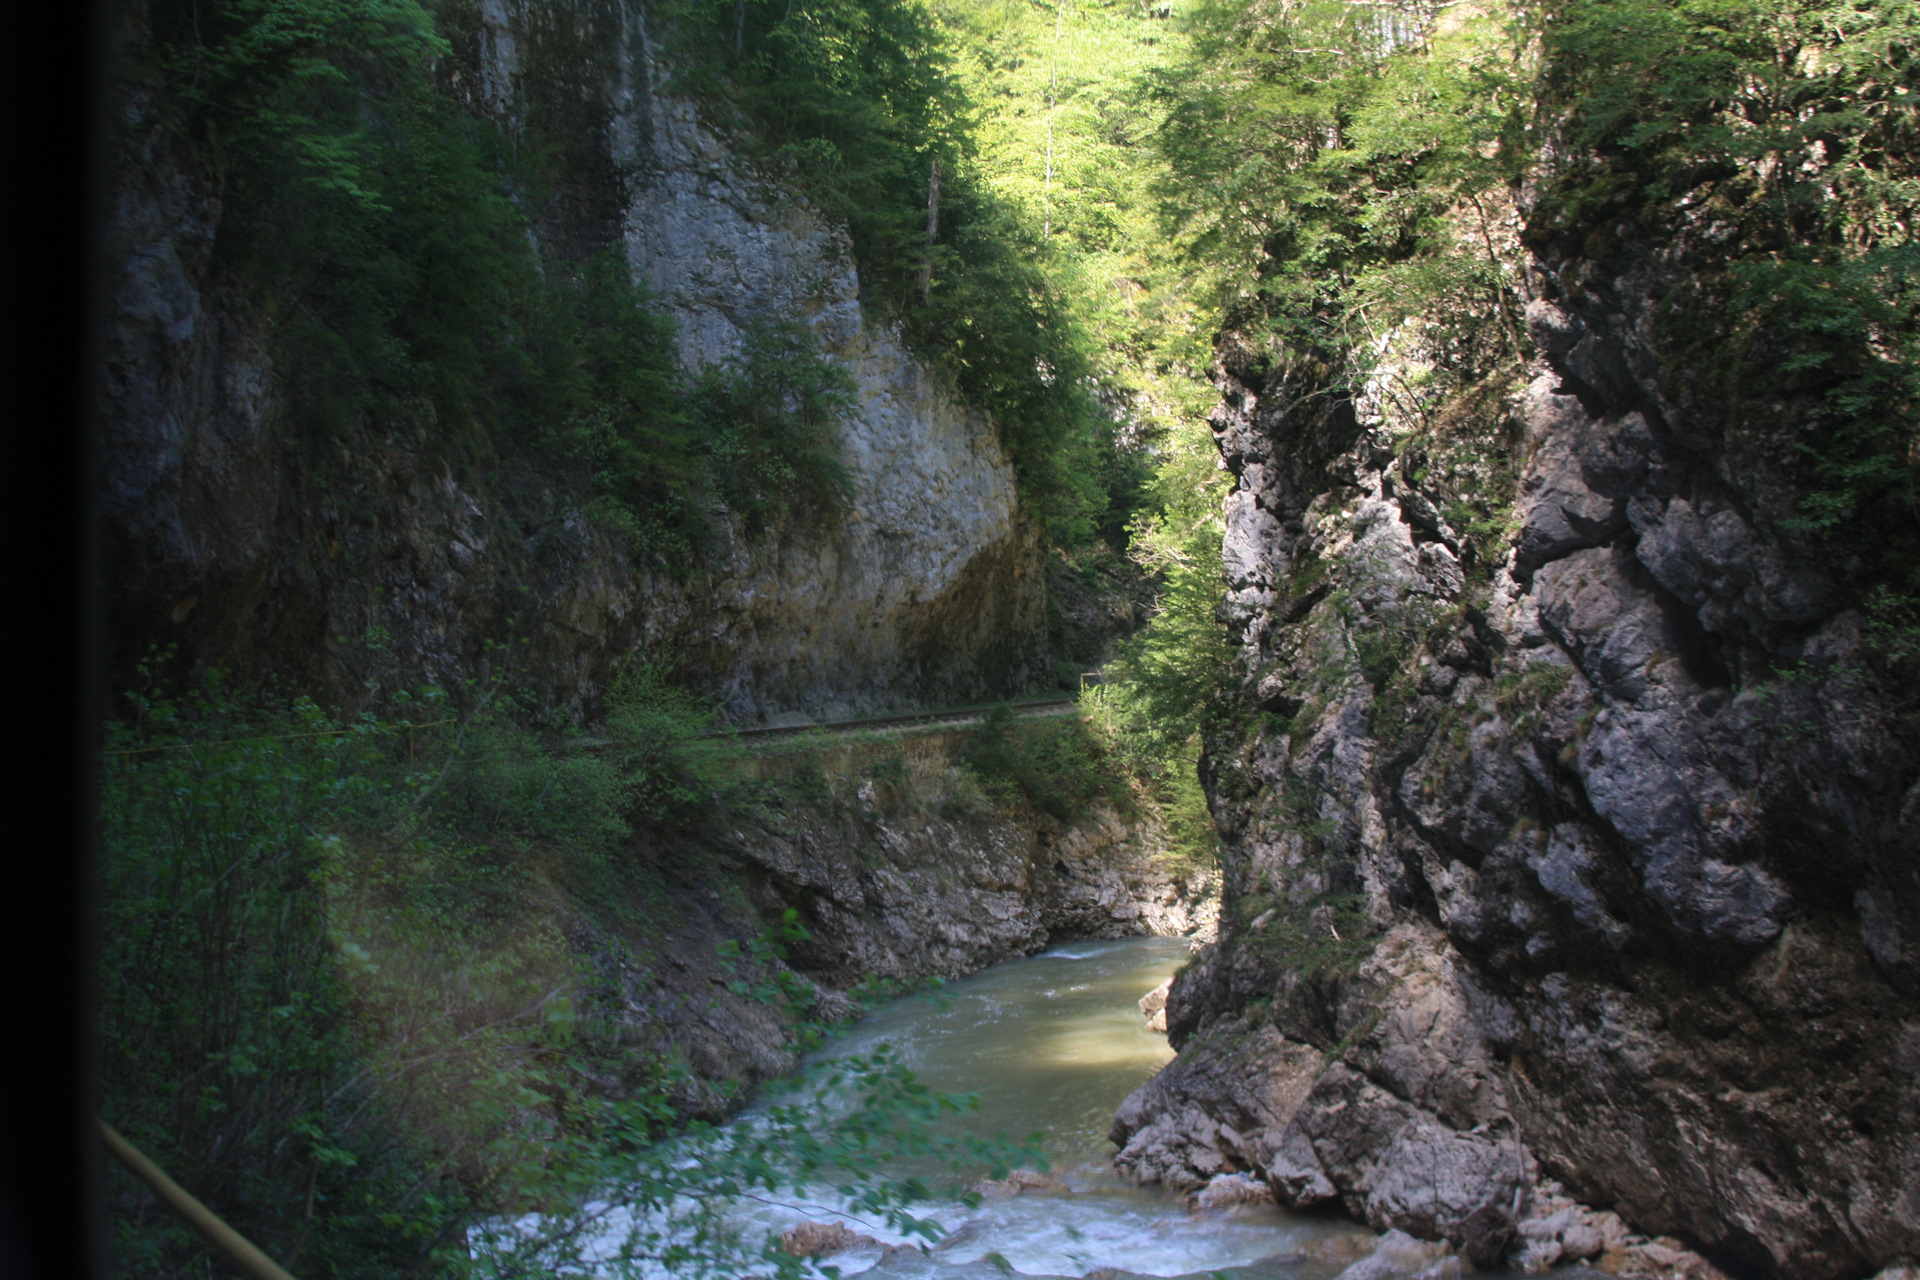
(1229, 1190)
(1016, 1182)
(1398, 1254)
(819, 1239)
(1154, 1006)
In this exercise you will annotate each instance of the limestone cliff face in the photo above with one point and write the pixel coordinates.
(1621, 832)
(377, 567)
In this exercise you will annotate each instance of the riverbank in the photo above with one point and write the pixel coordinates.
(452, 963)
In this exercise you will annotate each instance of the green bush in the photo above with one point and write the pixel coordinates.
(771, 416)
(1789, 127)
(1055, 764)
(674, 755)
(229, 1048)
(378, 225)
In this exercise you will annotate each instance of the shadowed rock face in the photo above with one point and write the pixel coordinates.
(263, 553)
(1629, 825)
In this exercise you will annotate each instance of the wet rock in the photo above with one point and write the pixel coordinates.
(1229, 1190)
(1339, 1251)
(1580, 1242)
(1017, 1182)
(1217, 1109)
(823, 1239)
(1666, 1258)
(1396, 1256)
(1484, 1236)
(1540, 1255)
(1154, 1006)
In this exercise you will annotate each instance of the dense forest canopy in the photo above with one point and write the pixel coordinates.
(1120, 183)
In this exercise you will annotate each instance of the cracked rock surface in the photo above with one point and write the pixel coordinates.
(1572, 891)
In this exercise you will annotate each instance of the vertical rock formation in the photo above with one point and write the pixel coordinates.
(1598, 862)
(366, 563)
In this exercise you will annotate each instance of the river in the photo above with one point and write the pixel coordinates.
(1051, 1044)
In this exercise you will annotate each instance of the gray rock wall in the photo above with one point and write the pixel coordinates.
(1600, 862)
(369, 566)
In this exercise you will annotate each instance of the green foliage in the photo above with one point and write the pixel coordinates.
(339, 1004)
(1893, 626)
(674, 756)
(769, 981)
(1342, 169)
(856, 100)
(1167, 677)
(770, 417)
(849, 1126)
(1053, 763)
(380, 226)
(852, 97)
(596, 383)
(1322, 936)
(1785, 132)
(1172, 675)
(229, 1051)
(891, 772)
(1524, 694)
(1845, 335)
(1064, 139)
(370, 217)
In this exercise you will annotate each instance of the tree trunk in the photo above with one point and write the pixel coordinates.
(933, 233)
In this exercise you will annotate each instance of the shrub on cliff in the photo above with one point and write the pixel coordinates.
(771, 416)
(1054, 764)
(380, 227)
(856, 101)
(1774, 146)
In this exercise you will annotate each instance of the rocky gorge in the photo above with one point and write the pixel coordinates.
(1565, 769)
(896, 871)
(398, 555)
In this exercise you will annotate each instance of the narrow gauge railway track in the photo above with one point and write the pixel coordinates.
(899, 720)
(959, 715)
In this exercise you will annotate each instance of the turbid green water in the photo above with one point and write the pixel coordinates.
(1052, 1044)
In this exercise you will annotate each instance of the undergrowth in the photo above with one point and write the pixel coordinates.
(1054, 764)
(341, 1001)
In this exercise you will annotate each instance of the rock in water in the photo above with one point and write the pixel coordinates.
(1016, 1182)
(820, 1239)
(1485, 1236)
(1396, 1256)
(1154, 1006)
(1230, 1189)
